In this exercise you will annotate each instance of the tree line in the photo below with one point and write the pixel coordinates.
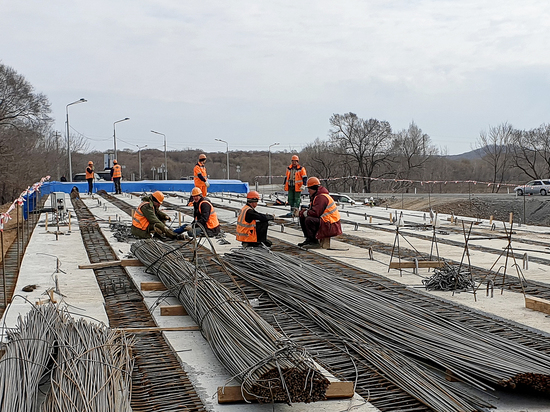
(356, 151)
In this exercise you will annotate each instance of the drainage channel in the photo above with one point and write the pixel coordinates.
(158, 382)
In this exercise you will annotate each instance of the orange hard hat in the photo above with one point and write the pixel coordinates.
(115, 162)
(295, 158)
(202, 156)
(313, 181)
(253, 196)
(158, 196)
(196, 191)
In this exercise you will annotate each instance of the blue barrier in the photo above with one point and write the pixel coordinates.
(234, 186)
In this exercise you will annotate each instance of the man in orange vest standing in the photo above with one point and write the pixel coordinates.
(321, 219)
(204, 215)
(90, 176)
(201, 177)
(296, 176)
(116, 175)
(252, 225)
(148, 219)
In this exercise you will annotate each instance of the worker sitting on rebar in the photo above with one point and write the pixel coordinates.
(322, 219)
(148, 219)
(252, 225)
(204, 217)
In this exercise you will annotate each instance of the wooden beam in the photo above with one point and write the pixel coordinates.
(538, 304)
(231, 394)
(172, 310)
(153, 285)
(421, 264)
(123, 262)
(159, 329)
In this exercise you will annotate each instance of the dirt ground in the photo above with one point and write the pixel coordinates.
(9, 228)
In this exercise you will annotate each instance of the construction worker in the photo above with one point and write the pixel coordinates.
(201, 177)
(321, 219)
(204, 216)
(116, 175)
(296, 176)
(148, 219)
(90, 176)
(252, 225)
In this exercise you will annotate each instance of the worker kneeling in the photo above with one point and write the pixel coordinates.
(204, 217)
(252, 225)
(148, 219)
(322, 219)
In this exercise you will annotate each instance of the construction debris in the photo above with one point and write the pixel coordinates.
(450, 277)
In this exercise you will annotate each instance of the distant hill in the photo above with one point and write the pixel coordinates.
(471, 155)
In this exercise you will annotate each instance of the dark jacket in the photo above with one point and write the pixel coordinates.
(317, 206)
(153, 216)
(201, 216)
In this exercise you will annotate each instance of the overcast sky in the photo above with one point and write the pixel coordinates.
(255, 73)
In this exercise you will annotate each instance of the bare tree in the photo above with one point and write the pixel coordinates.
(365, 143)
(494, 147)
(531, 151)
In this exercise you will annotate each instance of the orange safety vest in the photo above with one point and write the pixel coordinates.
(298, 177)
(212, 221)
(202, 170)
(139, 220)
(246, 232)
(331, 213)
(89, 175)
(117, 171)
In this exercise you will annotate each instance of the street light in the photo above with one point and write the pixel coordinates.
(269, 150)
(69, 139)
(165, 158)
(114, 133)
(139, 158)
(227, 151)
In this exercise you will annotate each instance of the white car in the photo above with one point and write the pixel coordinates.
(342, 199)
(534, 187)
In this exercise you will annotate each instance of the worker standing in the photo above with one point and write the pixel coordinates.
(296, 176)
(116, 175)
(90, 176)
(251, 225)
(204, 216)
(148, 219)
(201, 177)
(321, 219)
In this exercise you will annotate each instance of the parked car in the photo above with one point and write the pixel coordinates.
(534, 187)
(98, 176)
(342, 199)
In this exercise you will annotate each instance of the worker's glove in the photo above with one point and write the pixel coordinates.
(270, 217)
(305, 213)
(182, 236)
(207, 184)
(167, 219)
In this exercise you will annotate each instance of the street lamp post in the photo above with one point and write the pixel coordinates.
(269, 150)
(69, 138)
(139, 158)
(165, 158)
(227, 152)
(114, 133)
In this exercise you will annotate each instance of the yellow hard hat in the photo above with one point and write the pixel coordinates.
(196, 191)
(158, 196)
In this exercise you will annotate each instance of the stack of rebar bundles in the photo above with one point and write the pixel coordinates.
(268, 366)
(79, 366)
(396, 336)
(450, 277)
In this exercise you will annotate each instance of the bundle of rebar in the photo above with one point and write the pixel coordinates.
(269, 366)
(450, 277)
(394, 335)
(80, 366)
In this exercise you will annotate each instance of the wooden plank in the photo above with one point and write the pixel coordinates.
(172, 310)
(153, 285)
(421, 264)
(2, 352)
(159, 329)
(231, 394)
(538, 304)
(123, 262)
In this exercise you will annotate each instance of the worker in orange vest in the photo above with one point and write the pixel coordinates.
(204, 217)
(116, 175)
(148, 219)
(296, 176)
(201, 177)
(252, 225)
(321, 219)
(90, 176)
